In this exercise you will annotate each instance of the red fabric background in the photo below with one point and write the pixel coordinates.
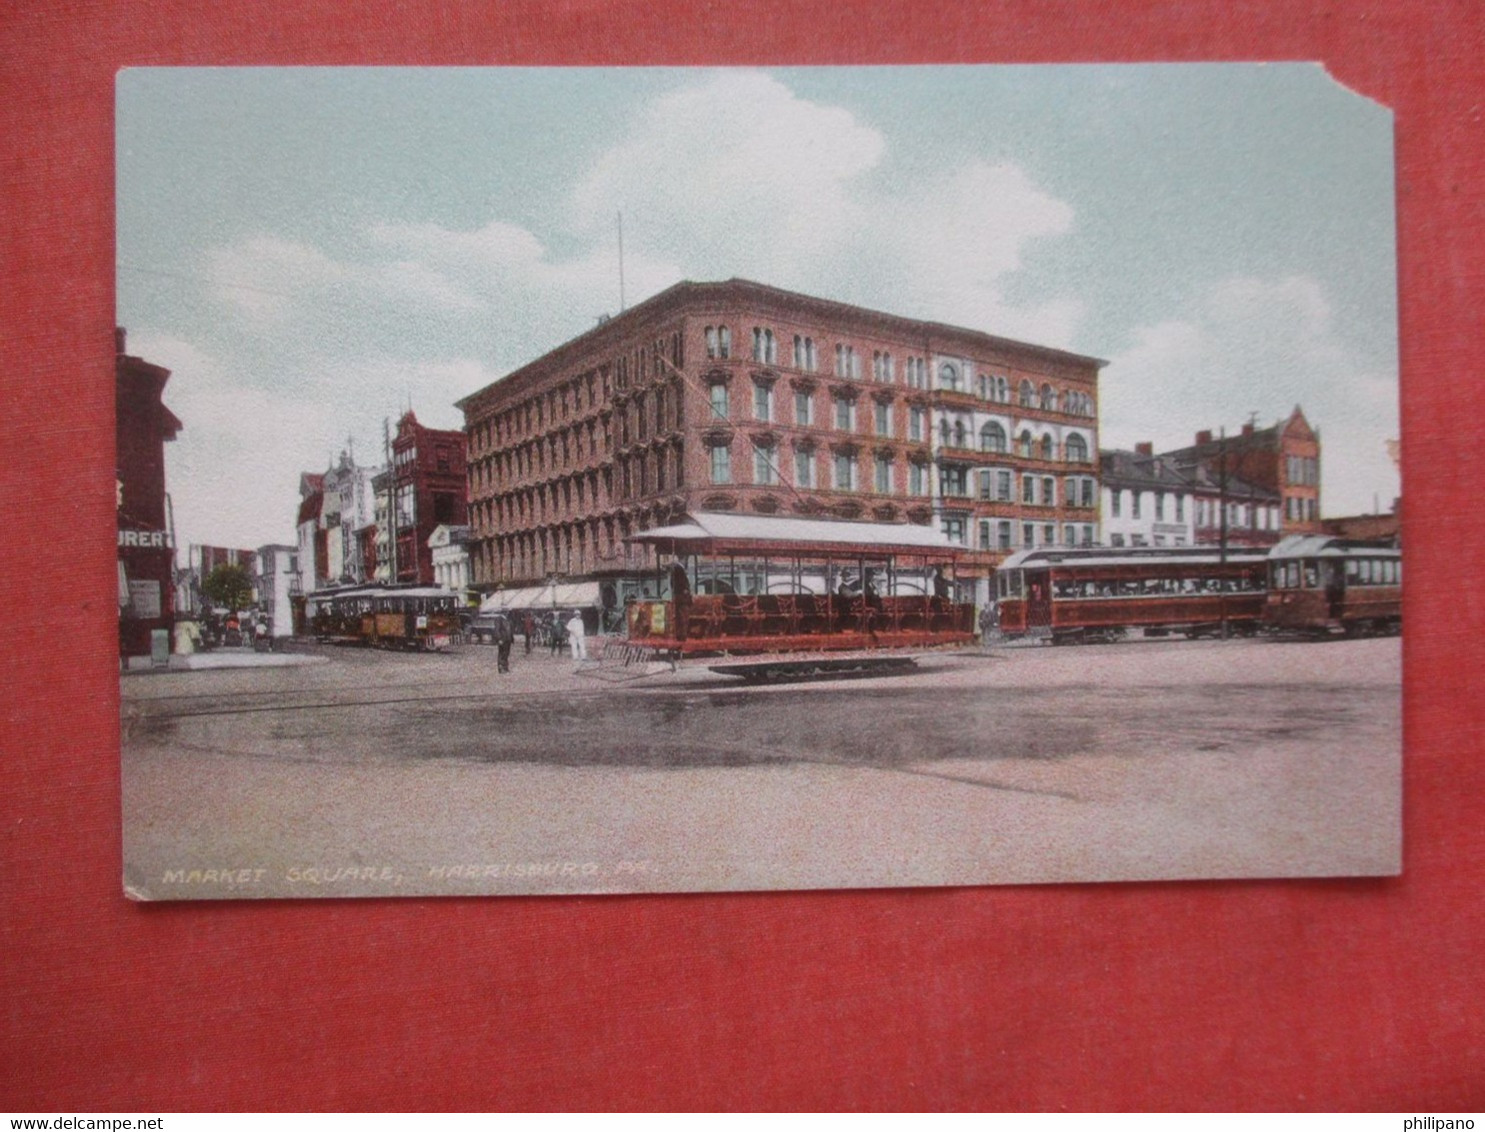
(1244, 995)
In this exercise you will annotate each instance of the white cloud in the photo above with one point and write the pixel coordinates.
(233, 471)
(1248, 346)
(734, 159)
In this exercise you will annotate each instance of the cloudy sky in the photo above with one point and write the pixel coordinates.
(310, 250)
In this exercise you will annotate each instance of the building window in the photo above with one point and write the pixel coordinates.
(881, 365)
(765, 464)
(984, 387)
(845, 414)
(986, 481)
(719, 399)
(1046, 449)
(1028, 535)
(1116, 540)
(1069, 535)
(1180, 508)
(1028, 490)
(992, 437)
(883, 419)
(1026, 396)
(954, 480)
(916, 372)
(960, 435)
(765, 349)
(1023, 444)
(763, 402)
(1049, 399)
(721, 463)
(1049, 534)
(847, 364)
(804, 467)
(1002, 486)
(1003, 535)
(1134, 504)
(917, 478)
(884, 474)
(711, 341)
(954, 530)
(803, 408)
(948, 376)
(916, 418)
(1160, 506)
(845, 472)
(1077, 449)
(1049, 492)
(804, 353)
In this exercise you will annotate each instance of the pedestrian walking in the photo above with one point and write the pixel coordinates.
(505, 637)
(576, 638)
(554, 633)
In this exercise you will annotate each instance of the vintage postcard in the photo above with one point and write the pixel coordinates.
(585, 480)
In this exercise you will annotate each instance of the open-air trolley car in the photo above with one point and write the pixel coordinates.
(753, 584)
(420, 618)
(1320, 585)
(1100, 594)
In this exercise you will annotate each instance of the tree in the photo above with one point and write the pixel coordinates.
(229, 585)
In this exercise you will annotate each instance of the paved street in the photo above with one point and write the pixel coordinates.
(383, 774)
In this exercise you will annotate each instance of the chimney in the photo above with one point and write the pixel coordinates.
(1248, 429)
(118, 340)
(1204, 436)
(1145, 448)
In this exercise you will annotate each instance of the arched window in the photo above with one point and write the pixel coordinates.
(711, 341)
(948, 376)
(1002, 389)
(1077, 449)
(943, 432)
(1023, 443)
(1046, 447)
(1049, 398)
(959, 434)
(1028, 395)
(724, 342)
(992, 438)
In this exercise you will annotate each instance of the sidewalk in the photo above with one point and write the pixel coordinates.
(224, 658)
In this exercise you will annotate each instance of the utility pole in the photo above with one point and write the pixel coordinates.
(391, 503)
(1222, 532)
(621, 263)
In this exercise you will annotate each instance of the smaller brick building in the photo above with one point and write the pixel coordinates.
(1283, 459)
(146, 549)
(429, 489)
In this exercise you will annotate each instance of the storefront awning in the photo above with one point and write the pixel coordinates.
(553, 595)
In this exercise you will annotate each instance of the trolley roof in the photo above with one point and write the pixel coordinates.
(1328, 546)
(1130, 556)
(710, 532)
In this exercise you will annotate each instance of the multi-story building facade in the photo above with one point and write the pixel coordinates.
(736, 396)
(1146, 502)
(428, 486)
(201, 560)
(278, 586)
(1282, 460)
(146, 543)
(349, 507)
(310, 535)
(450, 547)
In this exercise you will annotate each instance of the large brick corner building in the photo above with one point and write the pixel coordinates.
(735, 396)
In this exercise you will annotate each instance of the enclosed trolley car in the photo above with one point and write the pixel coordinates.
(750, 585)
(419, 618)
(1321, 585)
(1101, 594)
